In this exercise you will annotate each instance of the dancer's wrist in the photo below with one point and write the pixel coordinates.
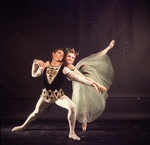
(92, 84)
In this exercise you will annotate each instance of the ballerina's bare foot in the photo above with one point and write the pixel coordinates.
(112, 43)
(84, 126)
(74, 136)
(18, 128)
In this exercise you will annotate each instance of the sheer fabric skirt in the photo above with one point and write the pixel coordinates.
(89, 104)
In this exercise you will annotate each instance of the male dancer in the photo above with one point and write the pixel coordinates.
(53, 76)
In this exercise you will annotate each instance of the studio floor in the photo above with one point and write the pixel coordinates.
(103, 132)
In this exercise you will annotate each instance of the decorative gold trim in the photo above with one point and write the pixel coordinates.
(51, 96)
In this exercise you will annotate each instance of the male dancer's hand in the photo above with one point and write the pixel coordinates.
(39, 62)
(46, 64)
(42, 64)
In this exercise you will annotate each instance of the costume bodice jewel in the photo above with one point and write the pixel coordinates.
(51, 72)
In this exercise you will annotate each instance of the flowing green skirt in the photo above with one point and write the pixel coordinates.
(89, 104)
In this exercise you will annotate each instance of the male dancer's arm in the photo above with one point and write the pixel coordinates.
(37, 69)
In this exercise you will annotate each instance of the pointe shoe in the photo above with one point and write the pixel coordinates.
(74, 136)
(84, 126)
(112, 43)
(18, 128)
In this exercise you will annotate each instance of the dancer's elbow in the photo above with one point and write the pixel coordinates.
(33, 75)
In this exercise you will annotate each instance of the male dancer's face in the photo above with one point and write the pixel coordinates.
(58, 55)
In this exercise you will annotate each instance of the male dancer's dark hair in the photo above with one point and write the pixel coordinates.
(56, 49)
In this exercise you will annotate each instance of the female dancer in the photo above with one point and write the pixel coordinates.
(96, 67)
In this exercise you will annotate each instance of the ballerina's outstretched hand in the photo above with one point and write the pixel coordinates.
(98, 87)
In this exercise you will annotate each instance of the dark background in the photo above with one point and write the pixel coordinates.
(32, 29)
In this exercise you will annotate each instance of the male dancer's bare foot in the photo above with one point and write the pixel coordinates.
(84, 126)
(74, 136)
(18, 128)
(112, 43)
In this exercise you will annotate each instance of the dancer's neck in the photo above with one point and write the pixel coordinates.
(55, 63)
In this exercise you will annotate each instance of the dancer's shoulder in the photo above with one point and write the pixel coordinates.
(71, 67)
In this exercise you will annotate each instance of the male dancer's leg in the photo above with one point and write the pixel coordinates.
(40, 107)
(65, 102)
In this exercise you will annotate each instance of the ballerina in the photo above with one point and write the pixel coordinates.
(98, 69)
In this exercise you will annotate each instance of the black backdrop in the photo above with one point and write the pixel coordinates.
(32, 29)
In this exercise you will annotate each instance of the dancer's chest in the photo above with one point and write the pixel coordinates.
(52, 72)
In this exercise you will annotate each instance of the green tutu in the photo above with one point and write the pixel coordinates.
(89, 104)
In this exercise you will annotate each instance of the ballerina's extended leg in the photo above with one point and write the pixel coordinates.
(84, 123)
(111, 45)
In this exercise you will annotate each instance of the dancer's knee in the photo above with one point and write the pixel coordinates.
(36, 112)
(72, 108)
(71, 112)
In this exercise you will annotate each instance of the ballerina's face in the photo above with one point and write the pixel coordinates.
(70, 57)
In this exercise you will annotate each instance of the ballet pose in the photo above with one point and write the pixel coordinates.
(54, 73)
(96, 68)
